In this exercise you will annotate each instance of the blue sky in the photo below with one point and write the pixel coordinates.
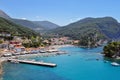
(61, 12)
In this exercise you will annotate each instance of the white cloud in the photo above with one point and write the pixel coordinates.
(24, 18)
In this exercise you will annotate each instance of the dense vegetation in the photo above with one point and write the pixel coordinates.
(106, 27)
(33, 42)
(14, 29)
(89, 40)
(28, 24)
(38, 26)
(112, 49)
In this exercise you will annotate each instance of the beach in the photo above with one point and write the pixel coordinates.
(1, 71)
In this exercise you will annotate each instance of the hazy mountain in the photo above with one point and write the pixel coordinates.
(22, 22)
(105, 27)
(28, 24)
(35, 25)
(47, 24)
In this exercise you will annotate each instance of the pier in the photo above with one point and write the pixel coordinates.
(40, 63)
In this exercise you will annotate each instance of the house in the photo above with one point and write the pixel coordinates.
(76, 41)
(16, 46)
(5, 34)
(4, 46)
(19, 49)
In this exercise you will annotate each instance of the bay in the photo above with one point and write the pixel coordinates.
(78, 64)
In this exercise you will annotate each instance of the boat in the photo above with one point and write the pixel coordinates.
(115, 64)
(42, 51)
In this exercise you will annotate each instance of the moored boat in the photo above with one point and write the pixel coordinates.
(115, 64)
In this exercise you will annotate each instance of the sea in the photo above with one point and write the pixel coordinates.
(78, 64)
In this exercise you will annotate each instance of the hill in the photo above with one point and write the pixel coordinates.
(47, 24)
(106, 27)
(112, 50)
(28, 24)
(4, 15)
(14, 29)
(38, 26)
(25, 23)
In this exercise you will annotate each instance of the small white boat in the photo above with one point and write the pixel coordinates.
(115, 64)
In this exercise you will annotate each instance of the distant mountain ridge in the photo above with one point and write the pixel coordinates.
(14, 29)
(28, 24)
(35, 25)
(47, 24)
(106, 27)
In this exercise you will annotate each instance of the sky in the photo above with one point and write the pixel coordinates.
(61, 12)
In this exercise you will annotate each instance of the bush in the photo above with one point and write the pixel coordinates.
(112, 49)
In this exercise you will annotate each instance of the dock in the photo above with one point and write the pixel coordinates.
(40, 63)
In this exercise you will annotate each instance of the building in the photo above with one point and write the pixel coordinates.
(16, 46)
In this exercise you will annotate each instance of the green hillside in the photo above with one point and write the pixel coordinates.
(106, 27)
(47, 24)
(38, 26)
(14, 29)
(28, 24)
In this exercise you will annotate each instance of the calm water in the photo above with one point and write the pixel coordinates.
(81, 64)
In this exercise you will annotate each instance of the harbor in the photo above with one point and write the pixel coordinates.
(66, 67)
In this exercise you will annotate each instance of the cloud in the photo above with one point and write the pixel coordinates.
(24, 18)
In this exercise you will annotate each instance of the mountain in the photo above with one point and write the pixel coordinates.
(28, 24)
(25, 23)
(4, 15)
(14, 29)
(35, 25)
(106, 27)
(47, 25)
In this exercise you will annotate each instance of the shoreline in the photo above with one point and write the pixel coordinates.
(39, 54)
(36, 55)
(47, 54)
(4, 59)
(1, 69)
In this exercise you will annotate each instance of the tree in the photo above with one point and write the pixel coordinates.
(112, 49)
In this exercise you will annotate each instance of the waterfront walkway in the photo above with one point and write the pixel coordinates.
(33, 62)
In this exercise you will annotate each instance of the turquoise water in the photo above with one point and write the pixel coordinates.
(80, 64)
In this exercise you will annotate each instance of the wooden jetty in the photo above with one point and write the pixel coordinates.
(32, 62)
